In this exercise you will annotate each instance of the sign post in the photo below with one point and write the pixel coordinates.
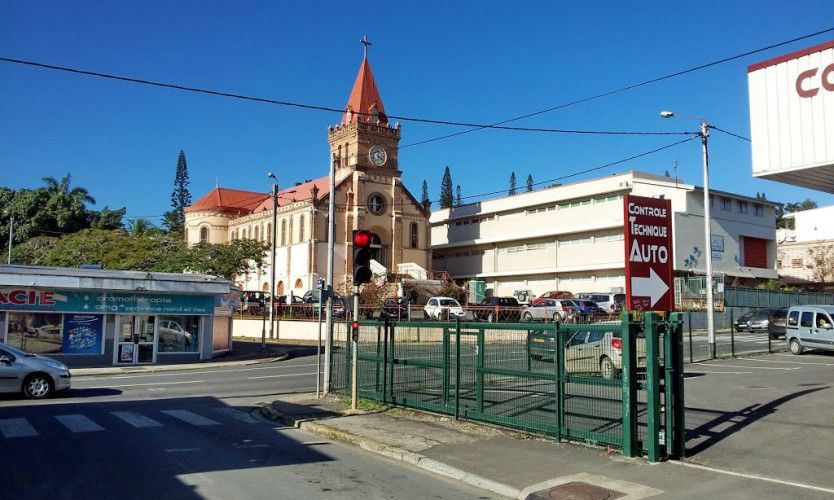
(649, 257)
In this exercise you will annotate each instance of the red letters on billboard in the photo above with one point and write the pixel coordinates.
(648, 251)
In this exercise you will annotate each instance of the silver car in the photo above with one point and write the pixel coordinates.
(549, 310)
(36, 376)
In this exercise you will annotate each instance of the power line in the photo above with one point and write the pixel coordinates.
(621, 89)
(219, 93)
(730, 133)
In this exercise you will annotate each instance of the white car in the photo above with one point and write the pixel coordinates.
(549, 310)
(443, 308)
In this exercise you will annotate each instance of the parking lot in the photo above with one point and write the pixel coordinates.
(769, 415)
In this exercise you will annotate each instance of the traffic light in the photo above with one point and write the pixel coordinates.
(362, 255)
(354, 331)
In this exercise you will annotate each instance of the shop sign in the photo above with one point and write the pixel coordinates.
(98, 302)
(82, 334)
(648, 246)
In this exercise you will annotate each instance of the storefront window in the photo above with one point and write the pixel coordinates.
(35, 332)
(179, 333)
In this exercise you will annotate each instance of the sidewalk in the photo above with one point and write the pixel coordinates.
(246, 352)
(516, 465)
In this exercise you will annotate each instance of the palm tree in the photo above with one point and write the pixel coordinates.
(61, 188)
(139, 227)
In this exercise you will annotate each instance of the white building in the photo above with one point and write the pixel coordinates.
(570, 237)
(806, 252)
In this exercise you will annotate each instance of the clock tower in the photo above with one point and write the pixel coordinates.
(364, 140)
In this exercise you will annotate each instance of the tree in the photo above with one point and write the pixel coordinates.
(106, 218)
(180, 197)
(529, 182)
(446, 195)
(787, 223)
(65, 206)
(424, 195)
(457, 196)
(512, 185)
(821, 263)
(238, 258)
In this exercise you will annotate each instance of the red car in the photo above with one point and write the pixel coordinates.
(556, 294)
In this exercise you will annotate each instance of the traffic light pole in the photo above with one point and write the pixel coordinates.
(331, 224)
(355, 341)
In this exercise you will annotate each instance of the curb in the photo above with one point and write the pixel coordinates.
(90, 372)
(392, 452)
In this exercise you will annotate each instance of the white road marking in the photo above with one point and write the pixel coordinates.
(750, 367)
(195, 372)
(754, 476)
(236, 414)
(708, 371)
(78, 423)
(17, 427)
(181, 450)
(190, 417)
(786, 362)
(135, 419)
(281, 376)
(149, 383)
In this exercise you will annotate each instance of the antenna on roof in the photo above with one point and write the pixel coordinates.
(217, 183)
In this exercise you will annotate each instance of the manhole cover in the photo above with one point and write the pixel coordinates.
(576, 490)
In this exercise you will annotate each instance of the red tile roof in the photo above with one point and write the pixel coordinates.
(230, 199)
(301, 192)
(364, 97)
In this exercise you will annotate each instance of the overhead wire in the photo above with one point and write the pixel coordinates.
(730, 133)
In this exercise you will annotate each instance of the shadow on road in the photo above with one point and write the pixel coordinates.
(712, 426)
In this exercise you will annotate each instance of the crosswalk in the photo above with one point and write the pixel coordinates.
(76, 423)
(739, 338)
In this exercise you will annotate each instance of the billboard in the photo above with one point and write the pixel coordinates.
(649, 257)
(792, 117)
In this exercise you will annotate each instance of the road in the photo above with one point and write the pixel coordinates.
(190, 435)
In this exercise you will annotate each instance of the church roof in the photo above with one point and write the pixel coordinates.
(300, 192)
(224, 198)
(364, 98)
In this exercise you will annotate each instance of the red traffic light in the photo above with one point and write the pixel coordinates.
(355, 325)
(362, 239)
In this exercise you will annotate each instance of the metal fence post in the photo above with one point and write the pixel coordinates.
(385, 363)
(479, 372)
(690, 337)
(559, 362)
(678, 436)
(629, 386)
(446, 366)
(376, 363)
(652, 389)
(732, 339)
(457, 370)
(392, 360)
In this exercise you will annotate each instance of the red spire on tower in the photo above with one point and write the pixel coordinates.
(365, 103)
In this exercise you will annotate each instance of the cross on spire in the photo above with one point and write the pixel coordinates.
(364, 41)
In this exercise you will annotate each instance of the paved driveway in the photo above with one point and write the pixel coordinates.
(771, 416)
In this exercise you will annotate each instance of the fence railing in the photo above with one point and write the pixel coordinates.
(618, 383)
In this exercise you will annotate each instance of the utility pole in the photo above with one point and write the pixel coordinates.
(708, 239)
(272, 262)
(331, 221)
(11, 233)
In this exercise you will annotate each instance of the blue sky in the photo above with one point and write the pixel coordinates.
(464, 61)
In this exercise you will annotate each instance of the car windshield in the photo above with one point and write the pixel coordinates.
(448, 302)
(16, 352)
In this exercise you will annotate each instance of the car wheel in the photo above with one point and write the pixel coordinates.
(37, 386)
(607, 368)
(528, 317)
(796, 347)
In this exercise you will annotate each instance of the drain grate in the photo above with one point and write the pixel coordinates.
(576, 490)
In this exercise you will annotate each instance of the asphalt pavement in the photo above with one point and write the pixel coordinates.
(191, 434)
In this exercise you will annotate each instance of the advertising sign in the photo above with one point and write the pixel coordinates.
(98, 302)
(648, 247)
(82, 334)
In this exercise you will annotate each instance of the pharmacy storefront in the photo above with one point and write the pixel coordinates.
(114, 317)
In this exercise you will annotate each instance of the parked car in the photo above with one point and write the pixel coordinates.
(591, 352)
(550, 310)
(777, 322)
(555, 294)
(759, 321)
(174, 337)
(33, 375)
(501, 309)
(609, 302)
(810, 327)
(443, 308)
(395, 308)
(743, 322)
(311, 300)
(587, 309)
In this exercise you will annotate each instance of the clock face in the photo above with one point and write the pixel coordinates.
(378, 156)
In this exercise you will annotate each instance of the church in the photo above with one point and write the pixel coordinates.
(369, 195)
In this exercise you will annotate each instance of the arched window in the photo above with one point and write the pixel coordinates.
(269, 233)
(257, 233)
(245, 233)
(413, 237)
(265, 288)
(279, 290)
(301, 228)
(203, 234)
(283, 232)
(299, 284)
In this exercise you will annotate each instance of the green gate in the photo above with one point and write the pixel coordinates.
(618, 384)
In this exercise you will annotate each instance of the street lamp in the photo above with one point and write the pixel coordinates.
(705, 126)
(272, 261)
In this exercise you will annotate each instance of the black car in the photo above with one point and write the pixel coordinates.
(501, 309)
(395, 309)
(777, 323)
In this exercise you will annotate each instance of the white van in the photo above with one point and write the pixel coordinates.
(810, 327)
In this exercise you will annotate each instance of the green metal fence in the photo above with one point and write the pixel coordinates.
(753, 297)
(618, 384)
